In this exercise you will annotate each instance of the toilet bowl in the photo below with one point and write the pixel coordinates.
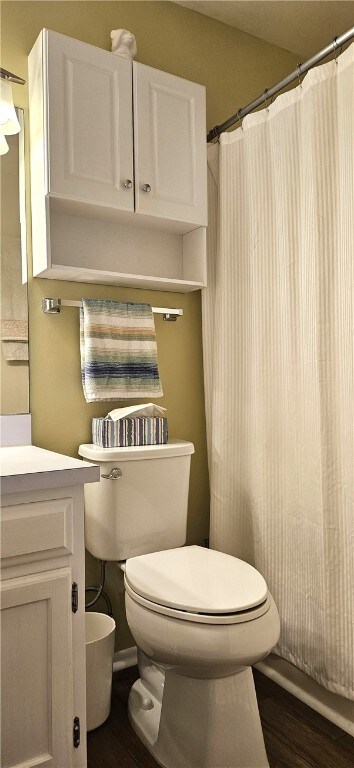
(200, 618)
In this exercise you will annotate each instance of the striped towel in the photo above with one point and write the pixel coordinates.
(118, 351)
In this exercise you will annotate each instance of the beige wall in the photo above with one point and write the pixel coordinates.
(235, 68)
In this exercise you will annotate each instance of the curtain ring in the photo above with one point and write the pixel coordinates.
(239, 118)
(335, 46)
(299, 73)
(265, 94)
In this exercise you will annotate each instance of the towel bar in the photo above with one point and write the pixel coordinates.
(53, 306)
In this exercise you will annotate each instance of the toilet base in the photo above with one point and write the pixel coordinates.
(189, 722)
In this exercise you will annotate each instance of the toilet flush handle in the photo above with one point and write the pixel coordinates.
(114, 474)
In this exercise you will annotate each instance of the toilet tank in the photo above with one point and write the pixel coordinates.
(142, 506)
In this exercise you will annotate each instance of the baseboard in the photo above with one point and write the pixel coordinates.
(337, 709)
(124, 659)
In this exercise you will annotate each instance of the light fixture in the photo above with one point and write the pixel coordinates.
(4, 147)
(8, 119)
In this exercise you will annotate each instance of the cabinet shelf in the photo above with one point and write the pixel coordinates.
(99, 250)
(97, 276)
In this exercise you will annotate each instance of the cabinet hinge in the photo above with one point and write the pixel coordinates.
(76, 732)
(74, 597)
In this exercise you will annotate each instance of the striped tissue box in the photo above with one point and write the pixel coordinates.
(141, 430)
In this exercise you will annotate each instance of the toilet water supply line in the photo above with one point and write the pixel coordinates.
(99, 591)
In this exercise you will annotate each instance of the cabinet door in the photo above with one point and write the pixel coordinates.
(90, 123)
(36, 671)
(169, 146)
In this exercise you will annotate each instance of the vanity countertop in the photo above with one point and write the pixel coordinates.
(28, 468)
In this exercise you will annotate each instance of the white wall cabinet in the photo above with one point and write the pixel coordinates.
(42, 638)
(96, 215)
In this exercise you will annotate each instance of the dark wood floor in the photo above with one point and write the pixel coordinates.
(295, 735)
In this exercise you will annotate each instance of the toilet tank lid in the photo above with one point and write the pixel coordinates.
(173, 447)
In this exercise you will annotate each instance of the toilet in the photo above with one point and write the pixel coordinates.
(200, 618)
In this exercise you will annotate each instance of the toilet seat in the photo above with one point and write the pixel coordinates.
(197, 584)
(200, 618)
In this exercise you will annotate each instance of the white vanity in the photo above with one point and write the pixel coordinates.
(42, 608)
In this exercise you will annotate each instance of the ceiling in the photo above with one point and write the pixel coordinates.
(300, 26)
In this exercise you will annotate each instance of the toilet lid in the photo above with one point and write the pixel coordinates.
(196, 579)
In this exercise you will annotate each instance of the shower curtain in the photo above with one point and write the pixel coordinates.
(278, 355)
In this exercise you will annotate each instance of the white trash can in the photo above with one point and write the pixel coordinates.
(99, 629)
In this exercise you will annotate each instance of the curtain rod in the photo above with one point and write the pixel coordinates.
(301, 69)
(52, 307)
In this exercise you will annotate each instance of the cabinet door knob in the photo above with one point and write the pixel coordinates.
(146, 188)
(128, 183)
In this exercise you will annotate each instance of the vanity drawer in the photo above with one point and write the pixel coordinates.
(36, 527)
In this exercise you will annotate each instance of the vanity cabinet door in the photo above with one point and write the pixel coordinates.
(36, 671)
(169, 146)
(90, 132)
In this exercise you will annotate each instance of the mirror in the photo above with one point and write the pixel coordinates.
(14, 305)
